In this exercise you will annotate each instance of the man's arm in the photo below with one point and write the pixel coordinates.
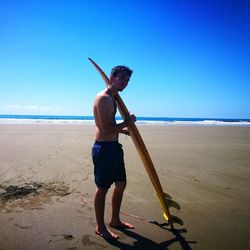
(105, 111)
(125, 132)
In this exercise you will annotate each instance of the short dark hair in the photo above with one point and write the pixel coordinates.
(123, 70)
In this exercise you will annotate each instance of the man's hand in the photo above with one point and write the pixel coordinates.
(131, 119)
(125, 132)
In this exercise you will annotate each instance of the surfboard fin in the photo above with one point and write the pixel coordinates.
(167, 195)
(175, 219)
(172, 203)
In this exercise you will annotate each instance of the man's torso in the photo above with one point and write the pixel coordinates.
(105, 115)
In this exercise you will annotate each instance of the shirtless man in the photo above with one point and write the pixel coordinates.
(107, 152)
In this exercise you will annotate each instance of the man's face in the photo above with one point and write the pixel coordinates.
(121, 81)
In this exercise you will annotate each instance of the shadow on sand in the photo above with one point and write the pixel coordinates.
(144, 243)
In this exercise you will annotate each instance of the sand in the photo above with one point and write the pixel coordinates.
(47, 188)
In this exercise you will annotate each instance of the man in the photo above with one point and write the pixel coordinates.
(107, 153)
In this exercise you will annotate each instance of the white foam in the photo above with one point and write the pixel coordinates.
(44, 121)
(194, 123)
(139, 122)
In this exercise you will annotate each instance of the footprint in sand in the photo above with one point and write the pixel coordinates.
(22, 227)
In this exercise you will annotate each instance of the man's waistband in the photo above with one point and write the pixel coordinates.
(103, 143)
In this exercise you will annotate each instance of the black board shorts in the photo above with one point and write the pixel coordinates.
(109, 167)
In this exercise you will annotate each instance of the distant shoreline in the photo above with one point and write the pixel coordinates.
(168, 121)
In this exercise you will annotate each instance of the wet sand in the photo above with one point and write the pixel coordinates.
(47, 188)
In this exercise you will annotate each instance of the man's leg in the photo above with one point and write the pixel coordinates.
(116, 205)
(99, 203)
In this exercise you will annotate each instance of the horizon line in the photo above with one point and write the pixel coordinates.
(156, 117)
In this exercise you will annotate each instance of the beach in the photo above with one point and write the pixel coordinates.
(47, 188)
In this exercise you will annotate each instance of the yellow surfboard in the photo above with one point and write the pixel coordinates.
(164, 198)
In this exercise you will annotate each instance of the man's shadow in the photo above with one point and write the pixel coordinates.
(144, 243)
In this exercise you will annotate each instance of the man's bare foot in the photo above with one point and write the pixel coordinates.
(121, 224)
(106, 233)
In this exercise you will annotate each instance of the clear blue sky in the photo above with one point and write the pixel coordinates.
(190, 58)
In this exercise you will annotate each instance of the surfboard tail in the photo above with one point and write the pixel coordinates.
(166, 204)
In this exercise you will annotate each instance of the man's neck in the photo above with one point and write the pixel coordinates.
(111, 90)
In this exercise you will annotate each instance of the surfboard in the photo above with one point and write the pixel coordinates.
(165, 199)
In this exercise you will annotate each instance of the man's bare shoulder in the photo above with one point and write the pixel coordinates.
(103, 98)
(101, 94)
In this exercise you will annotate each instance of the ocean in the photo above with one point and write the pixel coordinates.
(168, 121)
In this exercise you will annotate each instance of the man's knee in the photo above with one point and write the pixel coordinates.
(120, 186)
(101, 191)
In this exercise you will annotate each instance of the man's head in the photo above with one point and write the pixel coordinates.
(121, 71)
(120, 76)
